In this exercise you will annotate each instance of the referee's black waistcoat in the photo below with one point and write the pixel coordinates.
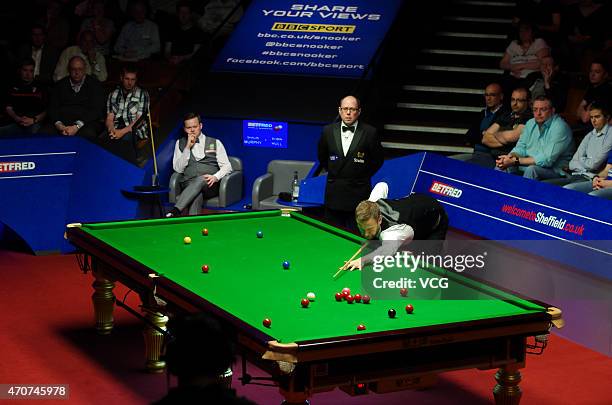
(348, 178)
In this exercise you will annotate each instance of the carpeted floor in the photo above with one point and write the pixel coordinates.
(46, 337)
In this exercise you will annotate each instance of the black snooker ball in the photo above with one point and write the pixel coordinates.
(392, 313)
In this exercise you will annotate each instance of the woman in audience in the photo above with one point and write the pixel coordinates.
(523, 56)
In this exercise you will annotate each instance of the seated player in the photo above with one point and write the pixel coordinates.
(203, 162)
(199, 352)
(416, 217)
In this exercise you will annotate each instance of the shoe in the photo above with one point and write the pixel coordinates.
(174, 212)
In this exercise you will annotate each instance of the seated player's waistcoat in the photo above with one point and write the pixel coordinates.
(206, 165)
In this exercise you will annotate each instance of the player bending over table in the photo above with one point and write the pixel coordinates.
(398, 222)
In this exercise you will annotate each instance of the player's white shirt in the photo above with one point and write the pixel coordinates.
(399, 232)
(394, 236)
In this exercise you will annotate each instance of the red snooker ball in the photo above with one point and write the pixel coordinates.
(357, 297)
(205, 268)
(409, 309)
(346, 291)
(267, 322)
(205, 232)
(305, 302)
(339, 296)
(404, 292)
(349, 298)
(361, 327)
(366, 299)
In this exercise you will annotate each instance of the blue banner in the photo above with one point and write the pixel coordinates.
(325, 38)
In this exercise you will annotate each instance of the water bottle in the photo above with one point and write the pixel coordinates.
(295, 187)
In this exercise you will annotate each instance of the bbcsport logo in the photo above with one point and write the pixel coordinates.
(445, 190)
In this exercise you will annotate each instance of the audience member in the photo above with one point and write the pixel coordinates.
(545, 146)
(56, 24)
(45, 56)
(215, 12)
(199, 351)
(84, 8)
(126, 109)
(593, 151)
(102, 27)
(203, 162)
(599, 90)
(500, 138)
(185, 37)
(95, 64)
(587, 26)
(545, 15)
(600, 186)
(139, 38)
(550, 82)
(523, 56)
(7, 63)
(76, 103)
(494, 107)
(25, 103)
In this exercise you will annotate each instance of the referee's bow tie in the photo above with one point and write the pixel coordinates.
(348, 128)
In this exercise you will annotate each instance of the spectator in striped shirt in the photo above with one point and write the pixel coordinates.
(126, 109)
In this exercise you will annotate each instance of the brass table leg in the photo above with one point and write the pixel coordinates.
(103, 302)
(507, 390)
(154, 341)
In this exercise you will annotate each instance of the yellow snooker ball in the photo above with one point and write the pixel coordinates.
(187, 240)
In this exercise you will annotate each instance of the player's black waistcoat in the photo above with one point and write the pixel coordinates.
(422, 212)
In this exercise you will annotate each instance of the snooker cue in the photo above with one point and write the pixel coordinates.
(154, 181)
(352, 257)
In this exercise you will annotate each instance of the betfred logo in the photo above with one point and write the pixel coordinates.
(445, 190)
(9, 167)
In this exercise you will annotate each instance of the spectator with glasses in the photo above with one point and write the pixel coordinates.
(501, 137)
(545, 147)
(494, 108)
(351, 153)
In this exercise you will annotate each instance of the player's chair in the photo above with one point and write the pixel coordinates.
(267, 187)
(230, 188)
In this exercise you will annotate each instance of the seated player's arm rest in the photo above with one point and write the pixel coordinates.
(175, 186)
(230, 188)
(263, 187)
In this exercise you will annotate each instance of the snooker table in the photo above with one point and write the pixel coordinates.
(313, 349)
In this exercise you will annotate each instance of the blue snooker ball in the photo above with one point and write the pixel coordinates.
(285, 265)
(259, 234)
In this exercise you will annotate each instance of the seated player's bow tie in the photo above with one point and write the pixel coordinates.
(348, 128)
